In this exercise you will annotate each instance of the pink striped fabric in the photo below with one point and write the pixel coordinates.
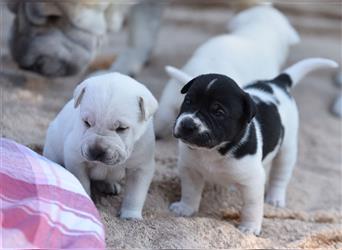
(43, 205)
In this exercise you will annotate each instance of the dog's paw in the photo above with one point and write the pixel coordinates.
(249, 229)
(181, 209)
(108, 188)
(130, 215)
(275, 199)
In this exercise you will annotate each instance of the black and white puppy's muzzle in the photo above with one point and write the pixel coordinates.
(192, 130)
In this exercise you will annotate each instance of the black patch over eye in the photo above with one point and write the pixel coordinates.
(217, 110)
(121, 129)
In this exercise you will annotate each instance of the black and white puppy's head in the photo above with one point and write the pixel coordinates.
(215, 110)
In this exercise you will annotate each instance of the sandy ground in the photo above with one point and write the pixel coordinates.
(313, 215)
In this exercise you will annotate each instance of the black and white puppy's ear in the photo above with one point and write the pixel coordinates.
(249, 107)
(79, 93)
(148, 105)
(187, 86)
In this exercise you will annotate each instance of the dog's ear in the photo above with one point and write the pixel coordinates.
(148, 105)
(79, 93)
(187, 86)
(249, 107)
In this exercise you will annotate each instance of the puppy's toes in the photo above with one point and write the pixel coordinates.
(108, 188)
(181, 209)
(275, 200)
(249, 229)
(130, 214)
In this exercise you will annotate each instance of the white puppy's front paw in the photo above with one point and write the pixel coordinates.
(274, 198)
(181, 209)
(108, 188)
(249, 229)
(130, 214)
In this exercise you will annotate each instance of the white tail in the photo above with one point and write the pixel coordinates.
(178, 75)
(300, 69)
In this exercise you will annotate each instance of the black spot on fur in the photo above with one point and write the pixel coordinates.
(249, 147)
(262, 85)
(246, 148)
(283, 80)
(272, 130)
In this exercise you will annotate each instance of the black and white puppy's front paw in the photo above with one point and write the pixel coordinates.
(182, 209)
(275, 198)
(249, 229)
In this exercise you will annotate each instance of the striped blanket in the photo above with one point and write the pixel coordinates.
(42, 204)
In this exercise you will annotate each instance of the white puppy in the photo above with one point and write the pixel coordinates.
(105, 132)
(228, 135)
(256, 48)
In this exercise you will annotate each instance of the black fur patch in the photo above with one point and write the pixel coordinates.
(249, 147)
(272, 130)
(283, 81)
(262, 85)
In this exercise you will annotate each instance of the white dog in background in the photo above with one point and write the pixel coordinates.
(105, 132)
(256, 48)
(61, 38)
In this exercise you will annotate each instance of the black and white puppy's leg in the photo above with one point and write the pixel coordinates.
(192, 183)
(253, 202)
(281, 172)
(138, 181)
(143, 26)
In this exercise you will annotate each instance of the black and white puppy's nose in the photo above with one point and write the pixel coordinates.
(186, 127)
(97, 153)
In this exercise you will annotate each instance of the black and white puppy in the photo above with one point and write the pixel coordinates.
(228, 135)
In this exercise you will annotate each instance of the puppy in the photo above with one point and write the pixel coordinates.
(228, 135)
(256, 48)
(105, 132)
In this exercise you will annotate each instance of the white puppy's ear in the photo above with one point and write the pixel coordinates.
(79, 93)
(148, 105)
(179, 75)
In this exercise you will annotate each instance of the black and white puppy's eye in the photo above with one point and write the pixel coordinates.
(121, 129)
(86, 123)
(217, 110)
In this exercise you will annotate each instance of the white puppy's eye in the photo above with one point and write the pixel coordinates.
(86, 123)
(121, 129)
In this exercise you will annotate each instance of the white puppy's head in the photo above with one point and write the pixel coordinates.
(114, 112)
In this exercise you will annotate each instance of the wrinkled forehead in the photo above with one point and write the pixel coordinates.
(108, 104)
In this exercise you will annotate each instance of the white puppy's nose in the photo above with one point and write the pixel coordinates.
(97, 153)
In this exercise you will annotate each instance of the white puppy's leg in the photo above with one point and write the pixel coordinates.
(253, 203)
(80, 171)
(143, 25)
(281, 173)
(138, 181)
(192, 183)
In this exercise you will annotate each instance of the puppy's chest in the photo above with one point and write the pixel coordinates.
(218, 169)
